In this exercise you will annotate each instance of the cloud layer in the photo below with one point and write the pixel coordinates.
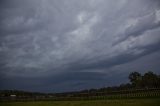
(43, 38)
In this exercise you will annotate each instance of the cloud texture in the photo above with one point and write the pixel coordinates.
(48, 39)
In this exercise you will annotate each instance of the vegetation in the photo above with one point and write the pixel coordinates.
(148, 80)
(124, 102)
(140, 86)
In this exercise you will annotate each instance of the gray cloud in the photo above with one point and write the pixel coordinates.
(49, 37)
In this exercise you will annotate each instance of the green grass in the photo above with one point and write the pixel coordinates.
(118, 102)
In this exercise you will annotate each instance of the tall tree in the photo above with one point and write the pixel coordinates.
(135, 79)
(150, 80)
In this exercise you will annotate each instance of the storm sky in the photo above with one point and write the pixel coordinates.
(66, 45)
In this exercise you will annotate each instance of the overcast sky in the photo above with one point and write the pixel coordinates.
(65, 45)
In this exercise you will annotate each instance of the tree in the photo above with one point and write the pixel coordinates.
(150, 80)
(135, 79)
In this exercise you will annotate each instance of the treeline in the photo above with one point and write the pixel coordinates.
(138, 83)
(7, 93)
(148, 80)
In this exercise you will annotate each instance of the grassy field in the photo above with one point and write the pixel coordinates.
(118, 102)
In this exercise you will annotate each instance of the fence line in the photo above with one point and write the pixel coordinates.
(122, 94)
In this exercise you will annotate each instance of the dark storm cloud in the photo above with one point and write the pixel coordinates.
(62, 82)
(55, 37)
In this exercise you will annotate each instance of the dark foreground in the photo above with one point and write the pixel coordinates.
(115, 102)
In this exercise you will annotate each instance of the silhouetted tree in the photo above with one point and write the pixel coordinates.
(150, 80)
(135, 78)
